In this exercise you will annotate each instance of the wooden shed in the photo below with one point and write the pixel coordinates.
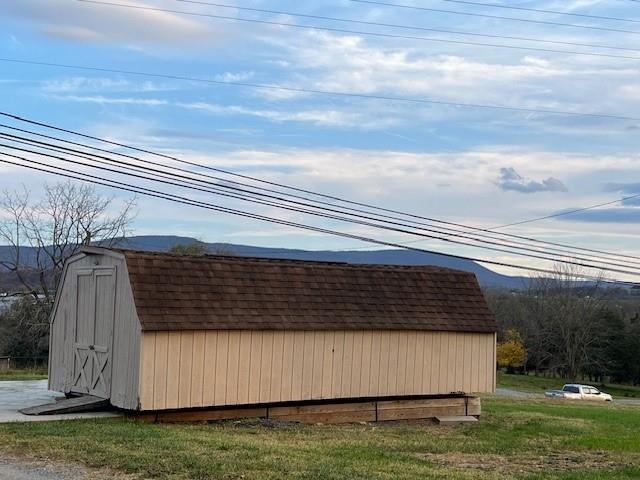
(159, 332)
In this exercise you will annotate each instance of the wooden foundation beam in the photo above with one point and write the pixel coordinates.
(346, 412)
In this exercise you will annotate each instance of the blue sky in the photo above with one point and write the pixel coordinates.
(482, 167)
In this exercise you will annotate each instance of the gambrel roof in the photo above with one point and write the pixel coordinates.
(173, 292)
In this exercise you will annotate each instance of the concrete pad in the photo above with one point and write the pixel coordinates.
(455, 419)
(15, 395)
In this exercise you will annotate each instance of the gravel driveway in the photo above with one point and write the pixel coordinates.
(22, 469)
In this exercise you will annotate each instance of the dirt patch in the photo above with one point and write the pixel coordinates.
(557, 462)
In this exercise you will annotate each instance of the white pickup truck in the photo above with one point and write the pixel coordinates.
(575, 391)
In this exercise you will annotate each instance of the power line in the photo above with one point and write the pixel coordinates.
(357, 32)
(392, 98)
(568, 212)
(537, 10)
(405, 27)
(497, 17)
(287, 187)
(394, 220)
(184, 200)
(319, 211)
(169, 179)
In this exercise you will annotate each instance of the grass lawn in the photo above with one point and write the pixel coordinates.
(522, 439)
(531, 383)
(24, 374)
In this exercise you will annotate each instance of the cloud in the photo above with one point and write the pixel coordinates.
(74, 84)
(605, 215)
(511, 180)
(102, 100)
(234, 77)
(89, 23)
(448, 73)
(321, 116)
(629, 188)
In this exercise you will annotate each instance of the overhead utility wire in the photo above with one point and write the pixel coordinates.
(357, 32)
(538, 10)
(496, 17)
(495, 240)
(568, 212)
(392, 98)
(193, 186)
(258, 199)
(279, 185)
(499, 236)
(407, 27)
(184, 200)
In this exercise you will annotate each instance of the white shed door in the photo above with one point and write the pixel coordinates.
(94, 319)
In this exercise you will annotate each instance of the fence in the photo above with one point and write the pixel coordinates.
(22, 363)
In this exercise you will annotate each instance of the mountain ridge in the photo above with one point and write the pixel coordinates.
(162, 243)
(486, 277)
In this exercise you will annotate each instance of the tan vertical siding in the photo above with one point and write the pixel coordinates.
(221, 371)
(173, 368)
(287, 367)
(307, 364)
(318, 366)
(161, 359)
(198, 368)
(419, 377)
(147, 379)
(275, 386)
(266, 362)
(210, 368)
(366, 364)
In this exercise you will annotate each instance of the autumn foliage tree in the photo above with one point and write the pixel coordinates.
(511, 353)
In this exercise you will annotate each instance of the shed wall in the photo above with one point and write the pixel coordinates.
(187, 369)
(125, 345)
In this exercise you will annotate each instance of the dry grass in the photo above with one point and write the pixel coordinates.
(520, 439)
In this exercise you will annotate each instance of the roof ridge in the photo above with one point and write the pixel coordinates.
(295, 261)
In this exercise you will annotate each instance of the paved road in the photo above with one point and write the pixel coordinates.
(15, 395)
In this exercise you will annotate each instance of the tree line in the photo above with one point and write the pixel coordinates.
(555, 324)
(570, 328)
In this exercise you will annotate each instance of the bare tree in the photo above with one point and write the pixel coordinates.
(43, 234)
(570, 311)
(561, 319)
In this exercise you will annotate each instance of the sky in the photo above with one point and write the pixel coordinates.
(413, 133)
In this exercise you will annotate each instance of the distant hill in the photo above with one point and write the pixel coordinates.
(486, 277)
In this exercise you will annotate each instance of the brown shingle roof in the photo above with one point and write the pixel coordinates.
(227, 293)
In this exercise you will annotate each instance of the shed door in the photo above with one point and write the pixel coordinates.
(93, 340)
